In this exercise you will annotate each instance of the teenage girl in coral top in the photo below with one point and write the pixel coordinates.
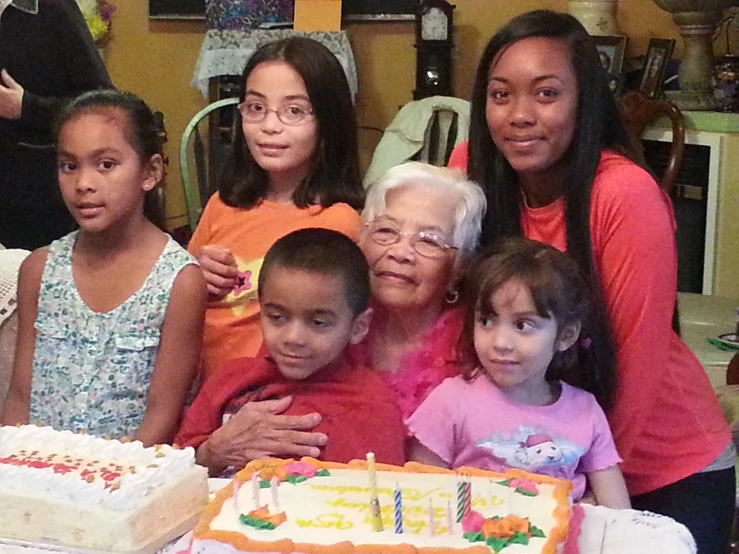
(548, 145)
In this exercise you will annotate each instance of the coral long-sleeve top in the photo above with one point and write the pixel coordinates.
(666, 419)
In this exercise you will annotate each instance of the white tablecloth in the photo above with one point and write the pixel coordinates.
(604, 531)
(226, 53)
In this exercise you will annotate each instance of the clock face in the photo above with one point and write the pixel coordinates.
(434, 25)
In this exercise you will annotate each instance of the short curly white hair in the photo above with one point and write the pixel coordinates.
(471, 202)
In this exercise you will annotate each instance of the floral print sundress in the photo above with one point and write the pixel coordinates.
(92, 371)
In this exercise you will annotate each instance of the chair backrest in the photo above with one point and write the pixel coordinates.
(425, 130)
(639, 111)
(203, 150)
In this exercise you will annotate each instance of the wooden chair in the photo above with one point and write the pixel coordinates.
(202, 155)
(639, 111)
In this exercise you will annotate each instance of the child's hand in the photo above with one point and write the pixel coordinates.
(589, 498)
(219, 269)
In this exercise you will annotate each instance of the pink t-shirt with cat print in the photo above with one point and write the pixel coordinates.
(472, 423)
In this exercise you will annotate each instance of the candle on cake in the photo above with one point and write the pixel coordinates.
(255, 490)
(449, 518)
(398, 498)
(460, 500)
(236, 495)
(273, 485)
(375, 513)
(467, 498)
(432, 530)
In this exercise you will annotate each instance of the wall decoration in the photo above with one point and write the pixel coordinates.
(177, 9)
(379, 10)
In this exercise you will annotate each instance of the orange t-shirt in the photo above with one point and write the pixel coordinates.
(232, 323)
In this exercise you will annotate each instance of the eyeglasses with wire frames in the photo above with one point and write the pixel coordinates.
(425, 243)
(291, 114)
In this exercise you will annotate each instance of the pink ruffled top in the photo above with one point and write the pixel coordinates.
(421, 369)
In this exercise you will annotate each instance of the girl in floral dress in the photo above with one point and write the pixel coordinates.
(111, 315)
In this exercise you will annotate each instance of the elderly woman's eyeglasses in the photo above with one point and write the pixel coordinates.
(426, 243)
(292, 114)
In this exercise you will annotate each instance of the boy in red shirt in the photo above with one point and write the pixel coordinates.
(313, 291)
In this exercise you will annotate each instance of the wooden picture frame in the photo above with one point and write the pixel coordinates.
(653, 77)
(176, 9)
(611, 49)
(358, 11)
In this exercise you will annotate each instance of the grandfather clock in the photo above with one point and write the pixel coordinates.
(434, 43)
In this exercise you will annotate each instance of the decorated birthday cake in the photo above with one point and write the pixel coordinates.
(319, 507)
(87, 492)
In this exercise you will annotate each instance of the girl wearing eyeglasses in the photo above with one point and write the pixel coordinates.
(294, 165)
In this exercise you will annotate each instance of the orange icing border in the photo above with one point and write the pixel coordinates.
(239, 541)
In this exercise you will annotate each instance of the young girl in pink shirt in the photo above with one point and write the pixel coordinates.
(516, 405)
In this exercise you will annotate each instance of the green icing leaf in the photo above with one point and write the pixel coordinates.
(322, 473)
(497, 544)
(524, 492)
(474, 536)
(504, 483)
(264, 484)
(295, 479)
(519, 538)
(256, 523)
(536, 532)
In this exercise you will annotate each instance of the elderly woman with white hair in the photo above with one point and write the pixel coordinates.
(420, 223)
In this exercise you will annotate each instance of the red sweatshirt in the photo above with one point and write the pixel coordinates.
(358, 412)
(666, 421)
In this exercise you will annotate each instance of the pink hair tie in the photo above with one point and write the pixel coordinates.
(585, 343)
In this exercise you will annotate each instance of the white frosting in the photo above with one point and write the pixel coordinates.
(152, 467)
(328, 510)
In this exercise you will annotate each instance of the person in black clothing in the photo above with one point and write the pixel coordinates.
(46, 56)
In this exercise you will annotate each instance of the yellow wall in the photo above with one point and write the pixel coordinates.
(156, 60)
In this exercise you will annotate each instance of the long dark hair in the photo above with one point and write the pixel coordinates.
(334, 176)
(559, 291)
(143, 132)
(598, 126)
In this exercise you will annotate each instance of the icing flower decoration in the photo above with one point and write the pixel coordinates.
(499, 532)
(472, 522)
(262, 519)
(98, 15)
(506, 527)
(267, 472)
(301, 469)
(524, 486)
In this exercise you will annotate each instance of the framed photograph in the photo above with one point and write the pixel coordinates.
(177, 9)
(378, 10)
(611, 50)
(658, 54)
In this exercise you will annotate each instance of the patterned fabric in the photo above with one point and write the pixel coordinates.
(422, 369)
(91, 371)
(225, 52)
(247, 14)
